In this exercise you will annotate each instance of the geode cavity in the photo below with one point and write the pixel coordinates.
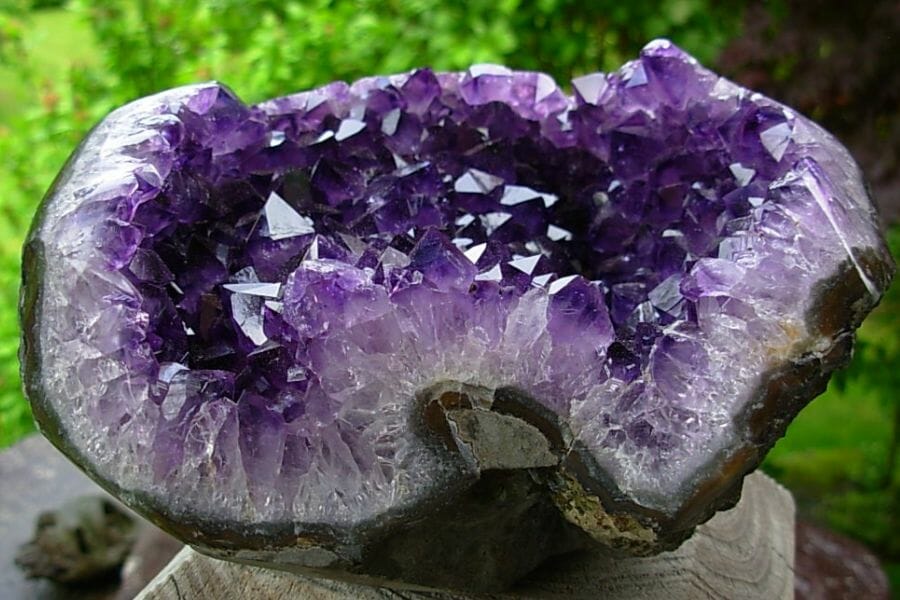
(435, 327)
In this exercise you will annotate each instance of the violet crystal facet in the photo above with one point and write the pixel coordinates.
(399, 328)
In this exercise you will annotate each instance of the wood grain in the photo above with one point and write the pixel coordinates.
(744, 553)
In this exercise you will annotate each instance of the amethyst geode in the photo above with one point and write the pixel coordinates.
(436, 327)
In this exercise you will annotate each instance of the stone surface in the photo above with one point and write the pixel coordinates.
(830, 566)
(85, 539)
(36, 479)
(277, 330)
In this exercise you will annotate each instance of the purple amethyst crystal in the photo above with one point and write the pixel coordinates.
(395, 329)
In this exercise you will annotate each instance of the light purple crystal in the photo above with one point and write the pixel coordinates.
(239, 307)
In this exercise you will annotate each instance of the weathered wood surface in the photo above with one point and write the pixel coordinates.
(744, 553)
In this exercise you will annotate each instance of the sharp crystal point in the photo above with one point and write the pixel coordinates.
(348, 128)
(283, 221)
(315, 331)
(268, 290)
(475, 252)
(776, 139)
(525, 264)
(558, 234)
(590, 87)
(474, 181)
(517, 194)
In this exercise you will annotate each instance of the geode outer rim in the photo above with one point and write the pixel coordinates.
(723, 477)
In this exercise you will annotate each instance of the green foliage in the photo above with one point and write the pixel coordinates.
(265, 47)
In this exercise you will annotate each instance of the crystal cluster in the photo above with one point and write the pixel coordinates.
(236, 317)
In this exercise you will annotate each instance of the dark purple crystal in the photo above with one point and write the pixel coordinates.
(236, 310)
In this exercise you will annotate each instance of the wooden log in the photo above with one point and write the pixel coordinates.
(744, 553)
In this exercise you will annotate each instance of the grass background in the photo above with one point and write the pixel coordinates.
(63, 66)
